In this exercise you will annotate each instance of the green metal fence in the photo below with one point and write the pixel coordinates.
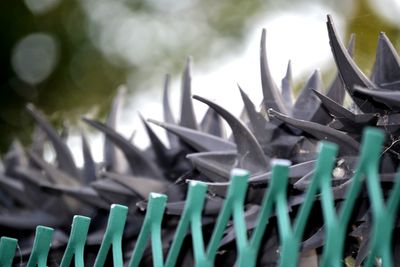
(275, 200)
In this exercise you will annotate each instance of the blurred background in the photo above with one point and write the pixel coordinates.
(69, 57)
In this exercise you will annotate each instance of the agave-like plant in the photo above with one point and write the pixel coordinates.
(34, 191)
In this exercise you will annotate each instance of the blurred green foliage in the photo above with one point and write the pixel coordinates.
(86, 73)
(367, 24)
(81, 77)
(100, 44)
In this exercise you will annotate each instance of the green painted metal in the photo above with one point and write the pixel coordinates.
(248, 245)
(7, 251)
(76, 242)
(191, 215)
(113, 236)
(41, 247)
(151, 227)
(383, 217)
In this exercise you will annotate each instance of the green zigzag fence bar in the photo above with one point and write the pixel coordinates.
(275, 198)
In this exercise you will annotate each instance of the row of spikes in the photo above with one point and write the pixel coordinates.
(275, 197)
(217, 154)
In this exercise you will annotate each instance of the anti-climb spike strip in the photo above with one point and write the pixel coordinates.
(341, 181)
(275, 198)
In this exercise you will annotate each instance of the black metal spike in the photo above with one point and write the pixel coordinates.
(110, 154)
(307, 103)
(364, 234)
(63, 154)
(156, 144)
(140, 186)
(211, 207)
(350, 73)
(15, 190)
(315, 241)
(84, 194)
(14, 157)
(214, 165)
(250, 153)
(34, 176)
(336, 90)
(114, 192)
(159, 150)
(29, 220)
(389, 120)
(139, 163)
(289, 146)
(261, 128)
(341, 113)
(38, 140)
(272, 97)
(386, 70)
(296, 172)
(196, 139)
(212, 124)
(347, 144)
(389, 98)
(64, 132)
(287, 83)
(89, 166)
(250, 215)
(188, 117)
(56, 175)
(32, 179)
(167, 112)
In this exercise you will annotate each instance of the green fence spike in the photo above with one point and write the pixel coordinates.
(369, 156)
(232, 204)
(76, 242)
(323, 177)
(380, 243)
(393, 202)
(113, 236)
(383, 217)
(278, 189)
(367, 166)
(41, 247)
(291, 238)
(8, 247)
(151, 226)
(196, 225)
(274, 195)
(239, 222)
(191, 215)
(277, 194)
(325, 150)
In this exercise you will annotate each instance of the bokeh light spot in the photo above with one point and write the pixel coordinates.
(39, 7)
(35, 57)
